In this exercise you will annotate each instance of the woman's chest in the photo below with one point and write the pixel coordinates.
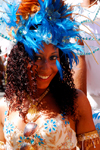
(51, 132)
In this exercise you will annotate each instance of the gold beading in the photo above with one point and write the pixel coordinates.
(88, 140)
(1, 145)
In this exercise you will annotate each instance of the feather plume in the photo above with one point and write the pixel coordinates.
(59, 69)
(52, 23)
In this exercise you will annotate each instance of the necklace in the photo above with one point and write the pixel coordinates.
(33, 108)
(33, 115)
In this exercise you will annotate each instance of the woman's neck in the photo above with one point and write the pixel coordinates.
(40, 91)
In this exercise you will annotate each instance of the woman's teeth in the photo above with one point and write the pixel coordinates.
(43, 77)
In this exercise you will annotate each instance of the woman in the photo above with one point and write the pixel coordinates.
(42, 109)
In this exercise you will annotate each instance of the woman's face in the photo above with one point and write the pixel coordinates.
(46, 62)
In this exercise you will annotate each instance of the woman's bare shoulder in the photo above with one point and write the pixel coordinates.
(85, 114)
(3, 102)
(3, 106)
(80, 93)
(83, 103)
(81, 97)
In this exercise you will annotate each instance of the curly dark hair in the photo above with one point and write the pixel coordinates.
(18, 86)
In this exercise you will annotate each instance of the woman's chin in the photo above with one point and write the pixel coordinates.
(42, 86)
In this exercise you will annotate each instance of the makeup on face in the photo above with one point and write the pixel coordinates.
(46, 62)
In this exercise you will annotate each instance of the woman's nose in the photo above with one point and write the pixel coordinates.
(46, 65)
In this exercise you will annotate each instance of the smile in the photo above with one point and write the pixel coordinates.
(43, 77)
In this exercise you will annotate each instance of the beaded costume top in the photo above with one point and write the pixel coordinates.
(53, 133)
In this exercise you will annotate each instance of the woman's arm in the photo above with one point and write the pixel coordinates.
(85, 128)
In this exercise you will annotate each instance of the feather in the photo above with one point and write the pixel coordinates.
(59, 69)
(48, 25)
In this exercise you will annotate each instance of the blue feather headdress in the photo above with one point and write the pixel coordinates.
(52, 24)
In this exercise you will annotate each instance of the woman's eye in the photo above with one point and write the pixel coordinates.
(38, 58)
(53, 57)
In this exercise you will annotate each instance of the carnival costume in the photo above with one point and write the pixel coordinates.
(50, 23)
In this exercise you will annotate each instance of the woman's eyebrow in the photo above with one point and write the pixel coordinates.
(39, 53)
(54, 53)
(42, 53)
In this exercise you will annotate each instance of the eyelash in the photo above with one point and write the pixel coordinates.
(38, 58)
(51, 58)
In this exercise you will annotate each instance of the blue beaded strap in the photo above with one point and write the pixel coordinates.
(87, 51)
(95, 17)
(96, 13)
(89, 36)
(5, 37)
(90, 39)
